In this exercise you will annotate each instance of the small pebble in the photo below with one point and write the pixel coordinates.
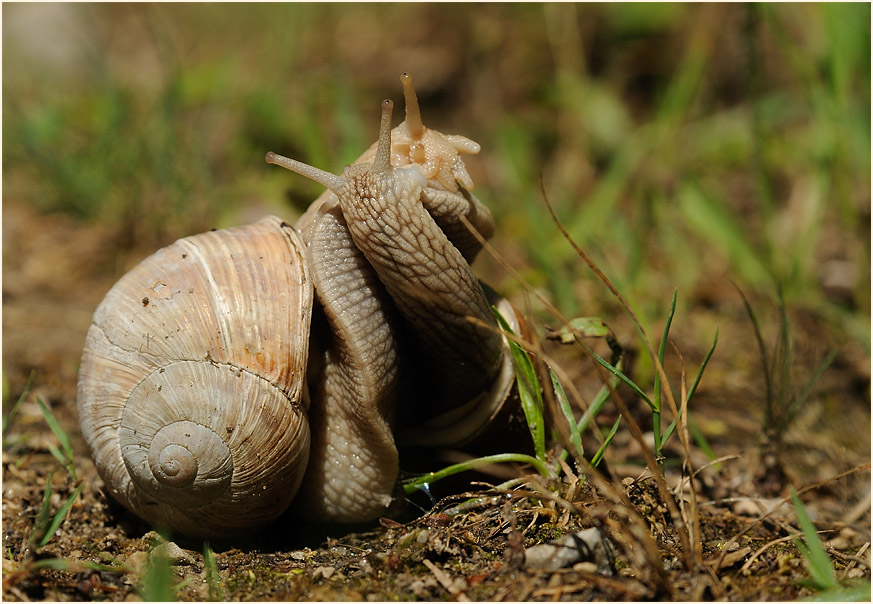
(421, 588)
(175, 554)
(585, 567)
(847, 539)
(365, 567)
(587, 545)
(756, 507)
(137, 562)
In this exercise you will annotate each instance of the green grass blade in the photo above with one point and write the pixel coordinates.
(528, 391)
(668, 433)
(213, 580)
(73, 565)
(662, 350)
(701, 440)
(696, 434)
(114, 563)
(62, 436)
(595, 461)
(630, 383)
(59, 517)
(800, 398)
(567, 410)
(52, 563)
(849, 593)
(817, 559)
(42, 519)
(56, 453)
(762, 349)
(67, 458)
(700, 371)
(157, 583)
(597, 404)
(657, 439)
(782, 360)
(7, 419)
(412, 485)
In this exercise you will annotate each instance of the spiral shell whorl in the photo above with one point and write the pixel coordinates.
(173, 464)
(171, 458)
(176, 465)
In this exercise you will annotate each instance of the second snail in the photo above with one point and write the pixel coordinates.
(240, 370)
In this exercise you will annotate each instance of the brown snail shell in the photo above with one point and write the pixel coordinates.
(191, 392)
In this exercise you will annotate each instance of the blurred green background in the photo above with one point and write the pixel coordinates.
(682, 145)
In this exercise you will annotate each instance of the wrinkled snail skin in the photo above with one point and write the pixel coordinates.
(374, 238)
(353, 378)
(189, 377)
(426, 276)
(234, 370)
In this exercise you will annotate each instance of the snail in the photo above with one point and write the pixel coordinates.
(238, 370)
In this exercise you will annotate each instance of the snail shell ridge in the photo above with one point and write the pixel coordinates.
(192, 393)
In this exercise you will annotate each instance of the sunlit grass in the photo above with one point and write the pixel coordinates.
(46, 523)
(64, 455)
(645, 177)
(697, 190)
(709, 174)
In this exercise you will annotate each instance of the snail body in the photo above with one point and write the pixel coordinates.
(232, 367)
